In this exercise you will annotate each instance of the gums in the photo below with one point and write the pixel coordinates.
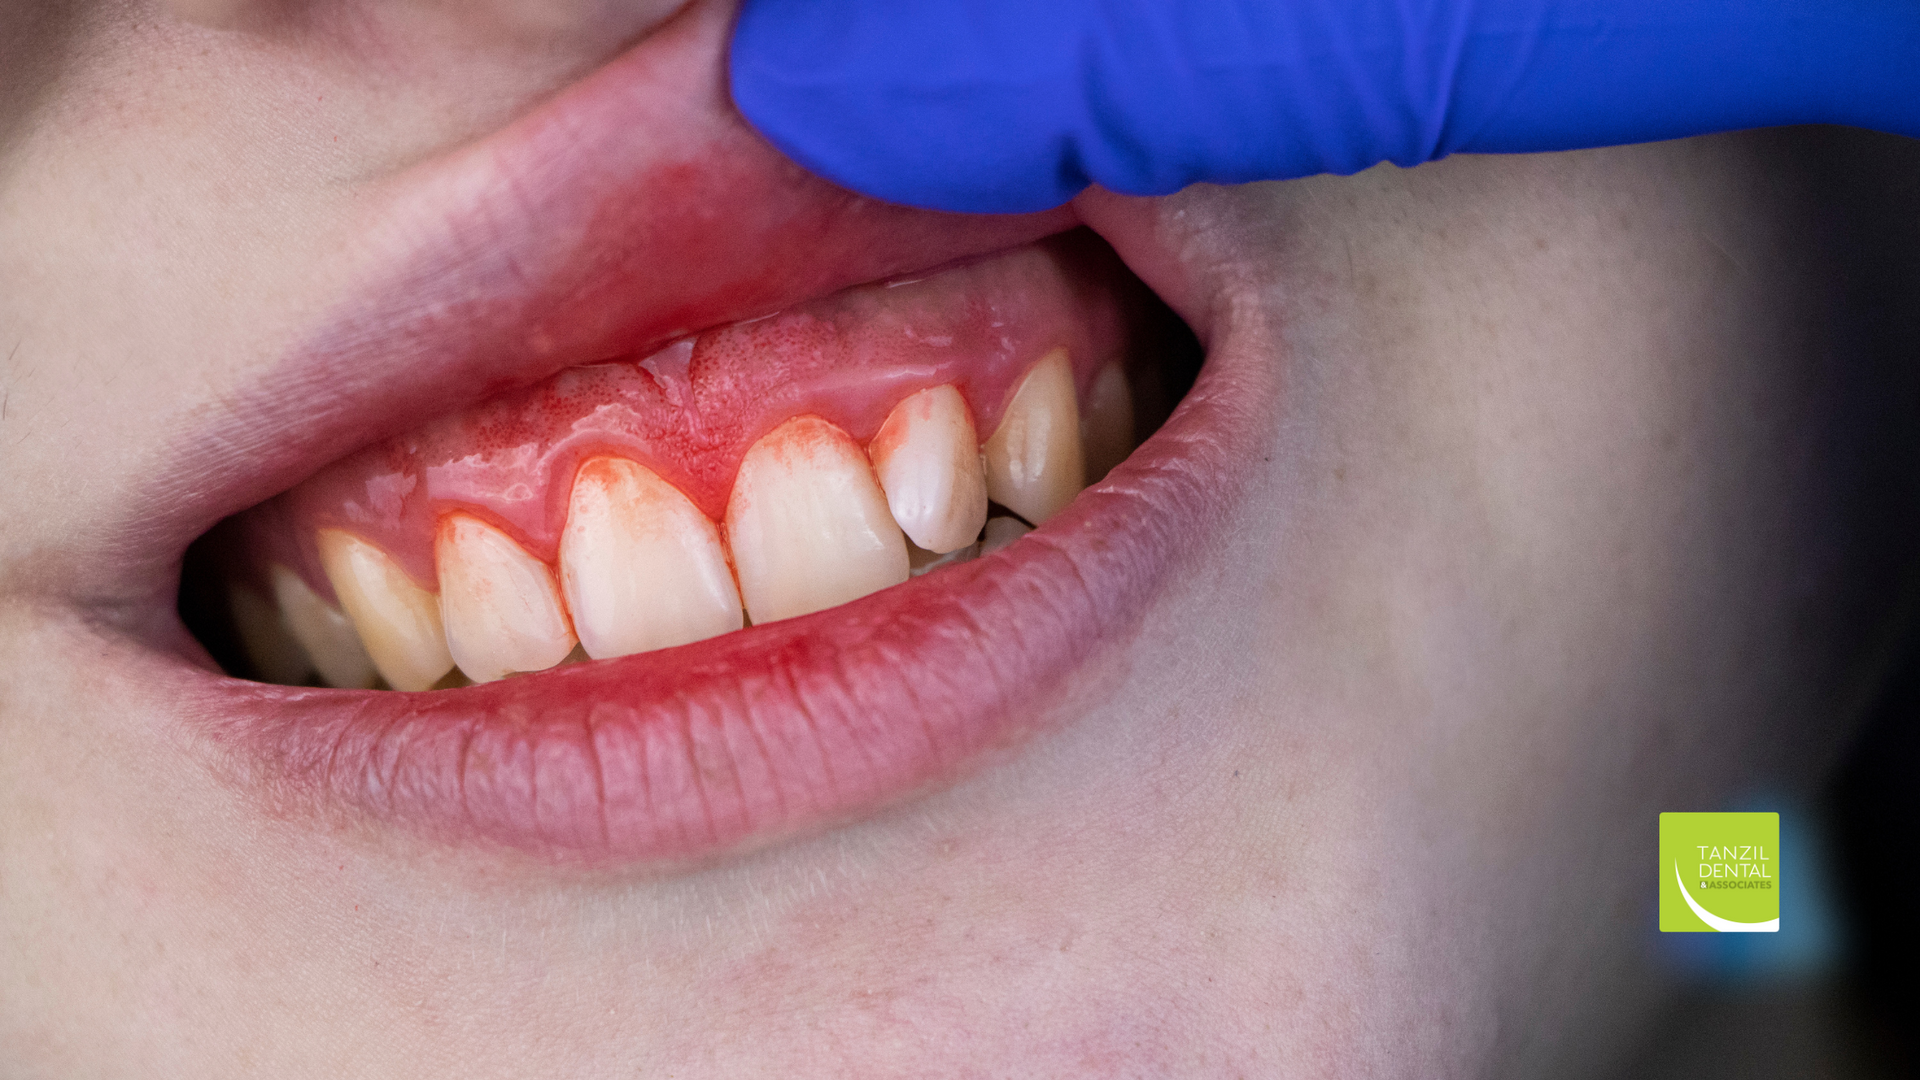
(633, 208)
(690, 411)
(678, 755)
(617, 217)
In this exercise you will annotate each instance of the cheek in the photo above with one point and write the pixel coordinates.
(1582, 502)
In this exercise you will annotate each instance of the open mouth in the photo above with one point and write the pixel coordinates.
(550, 567)
(754, 580)
(758, 471)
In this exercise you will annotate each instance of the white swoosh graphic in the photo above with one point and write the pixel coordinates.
(1725, 926)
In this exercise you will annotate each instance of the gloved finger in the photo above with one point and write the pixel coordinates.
(1017, 105)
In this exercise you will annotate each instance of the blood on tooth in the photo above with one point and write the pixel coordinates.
(808, 525)
(848, 359)
(641, 567)
(980, 337)
(928, 460)
(502, 607)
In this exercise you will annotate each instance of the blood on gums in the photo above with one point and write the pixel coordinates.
(690, 412)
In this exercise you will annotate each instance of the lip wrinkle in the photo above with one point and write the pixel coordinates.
(702, 771)
(592, 746)
(752, 769)
(463, 759)
(562, 770)
(829, 776)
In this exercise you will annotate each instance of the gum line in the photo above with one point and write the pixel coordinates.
(691, 410)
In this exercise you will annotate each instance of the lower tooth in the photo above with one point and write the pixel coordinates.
(923, 561)
(398, 621)
(503, 611)
(1034, 460)
(641, 566)
(1107, 428)
(325, 633)
(270, 648)
(808, 524)
(1002, 531)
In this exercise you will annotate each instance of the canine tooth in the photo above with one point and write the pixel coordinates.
(928, 460)
(276, 656)
(320, 628)
(642, 568)
(1002, 531)
(1107, 429)
(398, 621)
(503, 611)
(1034, 462)
(923, 561)
(808, 523)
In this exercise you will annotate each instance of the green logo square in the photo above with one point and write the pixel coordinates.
(1720, 872)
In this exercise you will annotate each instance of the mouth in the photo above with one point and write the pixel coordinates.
(647, 500)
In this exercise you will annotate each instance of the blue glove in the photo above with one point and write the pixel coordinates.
(1016, 105)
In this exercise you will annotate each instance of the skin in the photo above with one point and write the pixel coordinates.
(1584, 499)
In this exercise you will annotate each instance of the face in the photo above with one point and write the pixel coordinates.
(1515, 501)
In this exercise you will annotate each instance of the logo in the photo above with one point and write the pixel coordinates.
(1720, 872)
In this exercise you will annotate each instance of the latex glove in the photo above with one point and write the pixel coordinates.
(1016, 105)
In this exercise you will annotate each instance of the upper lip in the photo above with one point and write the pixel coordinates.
(633, 207)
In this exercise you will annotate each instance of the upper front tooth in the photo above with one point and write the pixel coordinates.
(1107, 429)
(641, 566)
(808, 524)
(502, 609)
(323, 631)
(398, 621)
(1034, 462)
(928, 460)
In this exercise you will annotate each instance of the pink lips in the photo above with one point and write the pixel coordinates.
(630, 209)
(677, 754)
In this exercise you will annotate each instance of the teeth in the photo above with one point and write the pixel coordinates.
(813, 522)
(1107, 429)
(928, 460)
(923, 561)
(325, 634)
(398, 621)
(502, 609)
(808, 523)
(1034, 463)
(272, 651)
(641, 566)
(1002, 531)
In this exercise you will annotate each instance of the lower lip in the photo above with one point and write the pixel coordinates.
(680, 755)
(683, 754)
